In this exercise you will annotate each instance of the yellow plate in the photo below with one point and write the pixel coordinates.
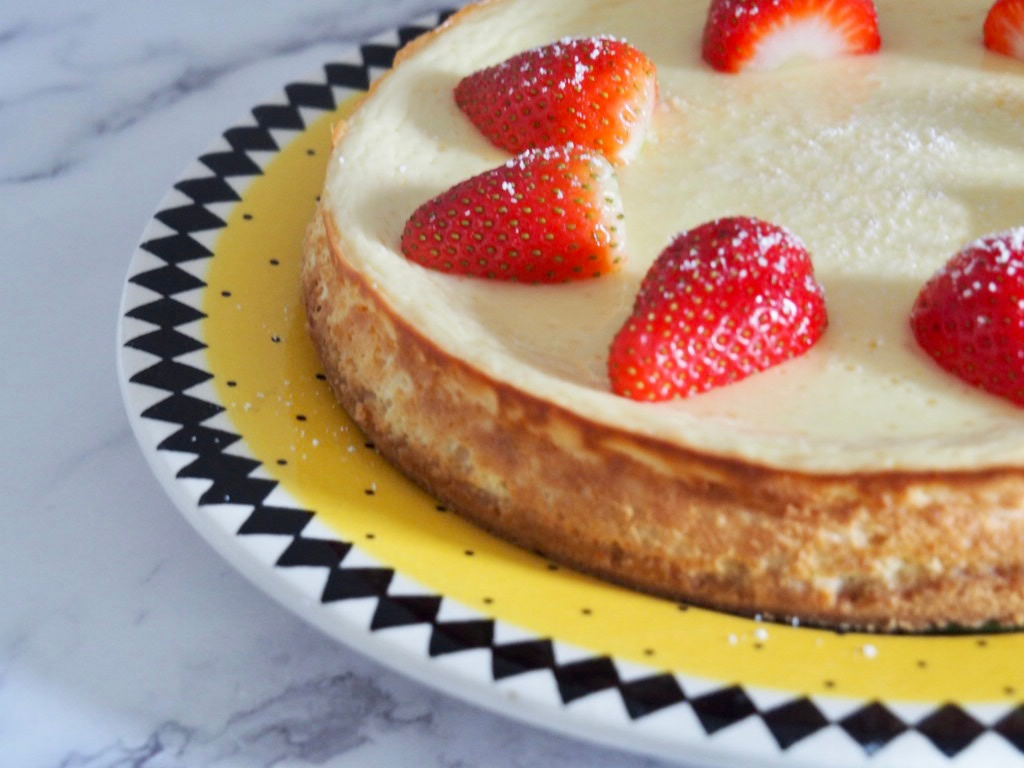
(226, 397)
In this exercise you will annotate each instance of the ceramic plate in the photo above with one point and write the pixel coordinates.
(229, 404)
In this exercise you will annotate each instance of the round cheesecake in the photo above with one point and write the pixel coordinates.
(859, 485)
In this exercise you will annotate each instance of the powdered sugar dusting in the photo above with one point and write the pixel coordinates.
(1008, 246)
(533, 74)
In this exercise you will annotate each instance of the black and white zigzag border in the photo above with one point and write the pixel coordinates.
(203, 463)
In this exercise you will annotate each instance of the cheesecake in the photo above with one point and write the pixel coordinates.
(857, 485)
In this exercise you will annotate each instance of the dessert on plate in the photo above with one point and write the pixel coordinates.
(812, 168)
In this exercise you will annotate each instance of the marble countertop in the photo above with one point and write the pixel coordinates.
(124, 639)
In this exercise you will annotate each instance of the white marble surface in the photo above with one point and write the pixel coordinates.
(124, 639)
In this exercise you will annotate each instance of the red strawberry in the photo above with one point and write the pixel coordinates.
(597, 92)
(764, 34)
(547, 216)
(970, 316)
(1004, 28)
(725, 300)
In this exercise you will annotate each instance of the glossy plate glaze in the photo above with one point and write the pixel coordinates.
(228, 403)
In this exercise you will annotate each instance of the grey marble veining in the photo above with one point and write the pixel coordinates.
(125, 641)
(143, 69)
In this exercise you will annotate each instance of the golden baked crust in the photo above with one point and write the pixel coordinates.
(882, 550)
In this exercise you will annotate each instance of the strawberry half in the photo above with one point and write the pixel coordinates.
(596, 92)
(970, 316)
(765, 34)
(725, 300)
(547, 216)
(1004, 28)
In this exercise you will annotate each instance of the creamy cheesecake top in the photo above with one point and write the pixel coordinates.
(885, 165)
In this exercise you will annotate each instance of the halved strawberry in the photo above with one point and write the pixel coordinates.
(547, 216)
(725, 300)
(1004, 28)
(596, 92)
(765, 34)
(970, 316)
